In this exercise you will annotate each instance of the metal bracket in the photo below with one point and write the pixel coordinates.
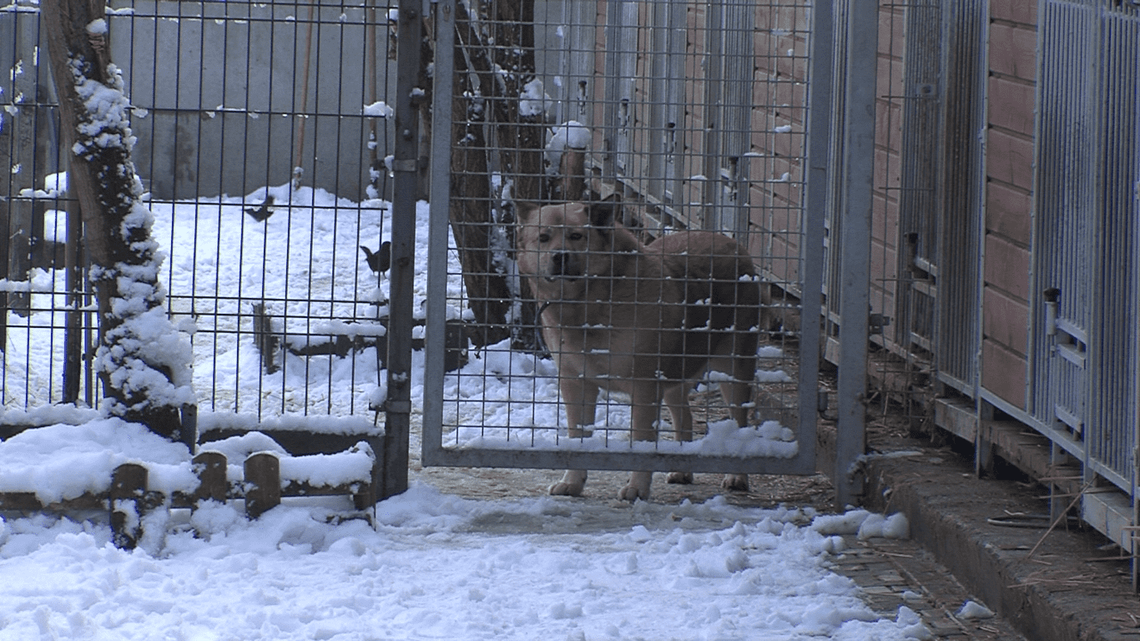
(876, 323)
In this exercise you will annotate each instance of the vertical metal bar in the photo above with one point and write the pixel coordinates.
(817, 186)
(439, 201)
(1131, 416)
(713, 111)
(580, 75)
(736, 111)
(398, 407)
(621, 21)
(858, 176)
(673, 130)
(659, 79)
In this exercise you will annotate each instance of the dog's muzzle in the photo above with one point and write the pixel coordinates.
(563, 266)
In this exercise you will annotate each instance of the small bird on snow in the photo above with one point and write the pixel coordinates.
(263, 212)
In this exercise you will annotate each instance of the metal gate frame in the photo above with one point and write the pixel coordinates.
(858, 149)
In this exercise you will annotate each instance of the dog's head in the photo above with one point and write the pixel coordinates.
(566, 242)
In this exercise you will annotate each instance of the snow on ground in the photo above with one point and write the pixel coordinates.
(436, 566)
(441, 567)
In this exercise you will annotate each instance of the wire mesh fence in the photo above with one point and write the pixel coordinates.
(263, 141)
(264, 136)
(625, 196)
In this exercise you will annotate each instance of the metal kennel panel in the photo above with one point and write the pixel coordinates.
(669, 123)
(1066, 240)
(959, 229)
(1114, 403)
(928, 202)
(920, 103)
(833, 223)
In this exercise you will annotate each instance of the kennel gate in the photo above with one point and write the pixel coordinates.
(717, 96)
(1083, 386)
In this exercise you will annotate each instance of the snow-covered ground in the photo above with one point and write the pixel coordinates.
(441, 567)
(435, 566)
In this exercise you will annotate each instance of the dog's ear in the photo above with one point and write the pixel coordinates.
(524, 211)
(603, 214)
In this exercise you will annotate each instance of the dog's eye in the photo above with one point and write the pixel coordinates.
(544, 238)
(577, 235)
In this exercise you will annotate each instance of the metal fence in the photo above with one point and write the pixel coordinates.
(695, 116)
(265, 142)
(1085, 352)
(929, 183)
(264, 132)
(1058, 282)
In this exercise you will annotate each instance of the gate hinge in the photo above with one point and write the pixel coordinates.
(876, 323)
(393, 407)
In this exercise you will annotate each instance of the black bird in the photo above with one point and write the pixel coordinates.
(380, 260)
(263, 212)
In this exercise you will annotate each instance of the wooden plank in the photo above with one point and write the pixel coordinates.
(299, 443)
(957, 418)
(1032, 454)
(128, 490)
(28, 502)
(211, 470)
(304, 488)
(1109, 512)
(263, 484)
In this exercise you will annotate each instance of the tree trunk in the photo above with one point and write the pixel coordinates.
(492, 70)
(521, 130)
(142, 361)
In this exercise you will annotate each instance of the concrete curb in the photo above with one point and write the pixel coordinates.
(1063, 592)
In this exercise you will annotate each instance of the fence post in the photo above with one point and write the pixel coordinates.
(398, 407)
(262, 484)
(128, 491)
(817, 179)
(211, 470)
(858, 176)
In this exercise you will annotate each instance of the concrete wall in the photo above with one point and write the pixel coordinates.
(231, 96)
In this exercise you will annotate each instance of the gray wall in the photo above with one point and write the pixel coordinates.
(228, 101)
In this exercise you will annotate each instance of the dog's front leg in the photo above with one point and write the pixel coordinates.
(677, 399)
(738, 394)
(580, 398)
(572, 483)
(645, 413)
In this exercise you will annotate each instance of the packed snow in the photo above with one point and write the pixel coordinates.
(432, 564)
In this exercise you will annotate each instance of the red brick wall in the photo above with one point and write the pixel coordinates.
(1009, 185)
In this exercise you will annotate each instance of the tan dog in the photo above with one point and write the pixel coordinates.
(641, 319)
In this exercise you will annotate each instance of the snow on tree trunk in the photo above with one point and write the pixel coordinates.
(142, 361)
(500, 99)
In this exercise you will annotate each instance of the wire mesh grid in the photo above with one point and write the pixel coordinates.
(262, 131)
(625, 200)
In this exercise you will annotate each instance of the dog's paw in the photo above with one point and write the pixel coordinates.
(572, 484)
(680, 478)
(735, 482)
(637, 488)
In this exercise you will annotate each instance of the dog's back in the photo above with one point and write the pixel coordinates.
(722, 295)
